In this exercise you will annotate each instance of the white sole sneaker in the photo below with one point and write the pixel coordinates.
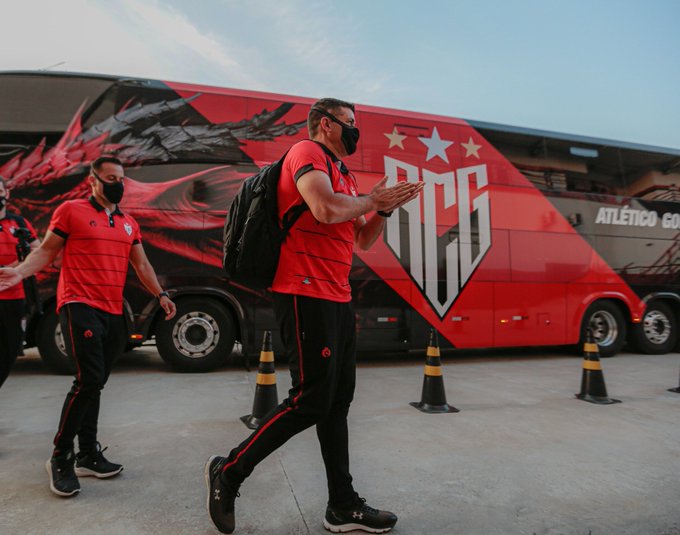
(48, 466)
(86, 472)
(206, 471)
(352, 527)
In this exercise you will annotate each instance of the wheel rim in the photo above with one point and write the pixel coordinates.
(657, 327)
(59, 340)
(195, 334)
(604, 328)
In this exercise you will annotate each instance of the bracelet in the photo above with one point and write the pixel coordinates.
(384, 214)
(163, 294)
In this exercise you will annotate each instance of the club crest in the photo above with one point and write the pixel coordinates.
(441, 237)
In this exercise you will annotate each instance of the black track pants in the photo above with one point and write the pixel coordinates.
(11, 334)
(319, 338)
(92, 339)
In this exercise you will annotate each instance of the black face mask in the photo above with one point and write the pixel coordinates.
(350, 134)
(112, 192)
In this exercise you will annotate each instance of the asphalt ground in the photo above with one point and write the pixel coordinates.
(522, 457)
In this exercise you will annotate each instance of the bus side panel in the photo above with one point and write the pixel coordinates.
(529, 314)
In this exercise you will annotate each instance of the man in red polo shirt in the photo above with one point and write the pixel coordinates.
(312, 301)
(98, 241)
(12, 300)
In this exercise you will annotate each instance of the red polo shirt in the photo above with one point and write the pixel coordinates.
(96, 254)
(315, 258)
(8, 250)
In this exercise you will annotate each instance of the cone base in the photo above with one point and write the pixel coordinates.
(431, 409)
(596, 399)
(676, 390)
(251, 422)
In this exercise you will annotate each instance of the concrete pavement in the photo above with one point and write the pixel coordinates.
(522, 457)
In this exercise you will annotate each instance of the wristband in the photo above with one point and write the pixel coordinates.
(384, 214)
(163, 294)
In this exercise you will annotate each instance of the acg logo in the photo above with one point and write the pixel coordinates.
(441, 260)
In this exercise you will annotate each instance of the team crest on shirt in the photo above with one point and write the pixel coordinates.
(128, 228)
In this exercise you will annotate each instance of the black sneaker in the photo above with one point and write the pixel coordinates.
(63, 480)
(360, 517)
(221, 496)
(93, 463)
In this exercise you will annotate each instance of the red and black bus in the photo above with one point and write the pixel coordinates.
(520, 237)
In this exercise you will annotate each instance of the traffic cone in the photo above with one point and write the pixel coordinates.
(433, 398)
(593, 388)
(266, 396)
(676, 389)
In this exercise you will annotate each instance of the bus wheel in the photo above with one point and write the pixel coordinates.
(51, 344)
(199, 338)
(606, 323)
(657, 333)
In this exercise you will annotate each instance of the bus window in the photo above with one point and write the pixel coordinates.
(588, 168)
(32, 104)
(524, 151)
(652, 176)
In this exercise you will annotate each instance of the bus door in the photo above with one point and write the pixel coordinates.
(529, 314)
(530, 309)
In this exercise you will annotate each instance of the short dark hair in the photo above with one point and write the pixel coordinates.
(327, 104)
(97, 164)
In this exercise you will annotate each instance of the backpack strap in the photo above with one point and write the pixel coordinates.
(292, 215)
(331, 157)
(21, 220)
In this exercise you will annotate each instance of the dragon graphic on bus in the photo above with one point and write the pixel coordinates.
(46, 176)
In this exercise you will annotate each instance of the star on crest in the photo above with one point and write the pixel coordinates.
(396, 139)
(436, 146)
(471, 149)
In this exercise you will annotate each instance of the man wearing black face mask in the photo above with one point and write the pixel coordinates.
(98, 241)
(312, 301)
(12, 300)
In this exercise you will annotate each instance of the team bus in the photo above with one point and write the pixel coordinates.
(519, 238)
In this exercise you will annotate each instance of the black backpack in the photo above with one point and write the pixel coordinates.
(252, 236)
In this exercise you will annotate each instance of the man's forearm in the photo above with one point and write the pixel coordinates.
(368, 233)
(342, 208)
(148, 278)
(35, 262)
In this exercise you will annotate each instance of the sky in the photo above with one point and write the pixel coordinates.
(601, 68)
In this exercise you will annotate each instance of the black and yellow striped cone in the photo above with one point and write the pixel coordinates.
(676, 389)
(433, 398)
(266, 396)
(593, 388)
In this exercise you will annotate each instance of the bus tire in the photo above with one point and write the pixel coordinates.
(199, 338)
(657, 333)
(50, 344)
(607, 325)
